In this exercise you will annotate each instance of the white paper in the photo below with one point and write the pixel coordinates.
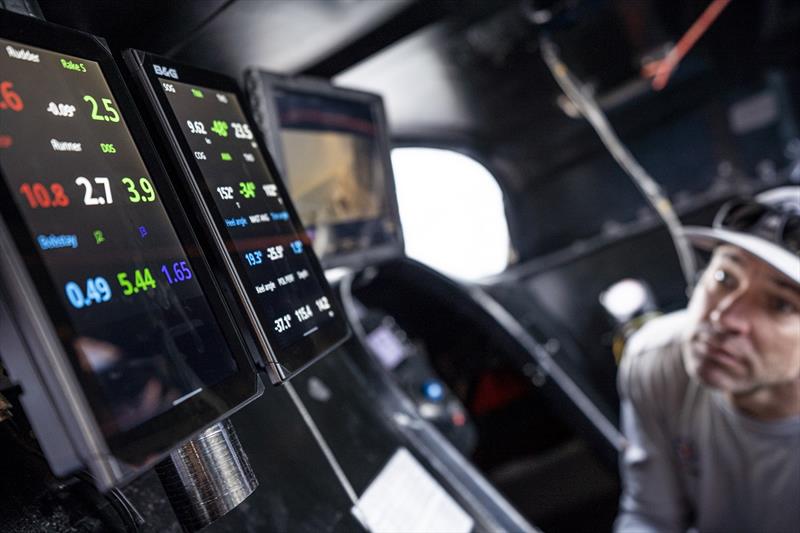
(405, 498)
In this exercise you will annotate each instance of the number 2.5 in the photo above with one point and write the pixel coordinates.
(108, 105)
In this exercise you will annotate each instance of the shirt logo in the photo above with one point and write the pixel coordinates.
(687, 456)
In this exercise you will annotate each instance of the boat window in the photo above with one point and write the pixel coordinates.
(452, 212)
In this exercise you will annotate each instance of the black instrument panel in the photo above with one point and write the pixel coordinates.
(345, 193)
(144, 335)
(235, 185)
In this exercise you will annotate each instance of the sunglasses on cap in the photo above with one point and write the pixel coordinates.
(779, 226)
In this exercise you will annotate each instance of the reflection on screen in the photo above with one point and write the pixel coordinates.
(137, 322)
(337, 184)
(335, 171)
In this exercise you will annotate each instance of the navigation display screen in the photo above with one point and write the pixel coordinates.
(141, 333)
(270, 252)
(336, 171)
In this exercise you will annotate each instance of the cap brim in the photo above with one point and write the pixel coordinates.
(781, 260)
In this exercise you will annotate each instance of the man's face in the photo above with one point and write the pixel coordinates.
(744, 330)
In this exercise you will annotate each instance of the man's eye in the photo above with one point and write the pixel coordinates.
(723, 278)
(782, 306)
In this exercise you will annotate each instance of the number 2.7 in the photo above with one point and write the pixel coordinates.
(88, 192)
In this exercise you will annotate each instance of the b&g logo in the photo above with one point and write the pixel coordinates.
(166, 72)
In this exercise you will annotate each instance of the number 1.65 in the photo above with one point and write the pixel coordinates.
(177, 272)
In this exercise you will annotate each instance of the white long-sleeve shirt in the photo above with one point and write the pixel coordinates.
(693, 461)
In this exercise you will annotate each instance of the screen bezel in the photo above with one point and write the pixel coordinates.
(151, 440)
(281, 363)
(268, 83)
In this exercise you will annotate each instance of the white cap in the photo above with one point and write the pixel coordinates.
(785, 199)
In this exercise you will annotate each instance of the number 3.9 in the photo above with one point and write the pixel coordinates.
(148, 194)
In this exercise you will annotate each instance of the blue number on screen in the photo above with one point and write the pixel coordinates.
(179, 272)
(75, 295)
(253, 258)
(97, 291)
(102, 286)
(92, 294)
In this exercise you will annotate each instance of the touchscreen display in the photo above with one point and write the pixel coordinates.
(141, 335)
(270, 253)
(335, 171)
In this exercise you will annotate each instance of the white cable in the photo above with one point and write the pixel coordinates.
(328, 453)
(586, 104)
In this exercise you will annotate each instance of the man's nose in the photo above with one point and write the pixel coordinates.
(731, 315)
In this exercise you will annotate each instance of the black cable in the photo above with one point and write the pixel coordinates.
(118, 501)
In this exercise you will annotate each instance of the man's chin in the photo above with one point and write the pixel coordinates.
(704, 368)
(713, 376)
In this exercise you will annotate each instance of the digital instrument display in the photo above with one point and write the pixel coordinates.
(91, 224)
(333, 150)
(344, 182)
(275, 266)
